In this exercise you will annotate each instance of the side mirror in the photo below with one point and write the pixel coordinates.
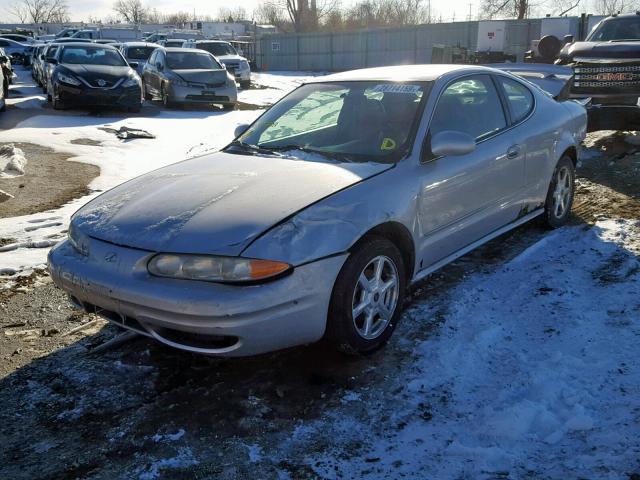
(159, 66)
(240, 129)
(133, 64)
(450, 142)
(568, 39)
(52, 61)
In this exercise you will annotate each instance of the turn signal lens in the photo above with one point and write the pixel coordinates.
(266, 268)
(215, 269)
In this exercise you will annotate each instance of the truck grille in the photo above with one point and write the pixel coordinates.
(589, 78)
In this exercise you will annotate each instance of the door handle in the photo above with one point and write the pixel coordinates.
(513, 151)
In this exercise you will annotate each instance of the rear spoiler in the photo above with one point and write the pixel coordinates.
(554, 79)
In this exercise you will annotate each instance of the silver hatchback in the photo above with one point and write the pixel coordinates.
(315, 219)
(185, 75)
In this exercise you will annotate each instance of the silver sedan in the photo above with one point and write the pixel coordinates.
(315, 219)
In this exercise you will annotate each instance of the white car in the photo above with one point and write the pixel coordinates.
(224, 52)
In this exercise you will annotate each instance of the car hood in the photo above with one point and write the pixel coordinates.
(202, 76)
(601, 50)
(235, 58)
(215, 204)
(93, 73)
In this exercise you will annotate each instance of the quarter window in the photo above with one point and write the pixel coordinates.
(470, 105)
(519, 98)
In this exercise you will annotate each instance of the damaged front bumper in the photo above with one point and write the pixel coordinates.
(202, 317)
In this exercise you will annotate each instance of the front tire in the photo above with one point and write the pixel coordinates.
(245, 85)
(367, 298)
(557, 207)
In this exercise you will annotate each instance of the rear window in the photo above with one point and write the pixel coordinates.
(217, 48)
(139, 53)
(191, 61)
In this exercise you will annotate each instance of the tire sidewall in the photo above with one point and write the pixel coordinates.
(341, 330)
(551, 220)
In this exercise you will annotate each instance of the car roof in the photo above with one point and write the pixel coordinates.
(187, 50)
(403, 73)
(212, 41)
(139, 44)
(88, 44)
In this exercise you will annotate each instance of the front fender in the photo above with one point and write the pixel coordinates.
(335, 224)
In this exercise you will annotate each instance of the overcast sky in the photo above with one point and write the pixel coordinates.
(82, 9)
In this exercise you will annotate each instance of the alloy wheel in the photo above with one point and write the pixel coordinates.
(375, 297)
(562, 192)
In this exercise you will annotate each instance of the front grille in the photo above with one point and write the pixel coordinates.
(605, 79)
(206, 85)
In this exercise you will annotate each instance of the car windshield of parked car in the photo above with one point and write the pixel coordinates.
(217, 48)
(191, 61)
(616, 30)
(352, 121)
(140, 53)
(92, 56)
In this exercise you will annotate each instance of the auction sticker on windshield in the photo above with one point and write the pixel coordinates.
(397, 88)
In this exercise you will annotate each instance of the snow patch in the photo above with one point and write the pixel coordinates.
(12, 161)
(182, 460)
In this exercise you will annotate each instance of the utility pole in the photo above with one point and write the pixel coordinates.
(470, 5)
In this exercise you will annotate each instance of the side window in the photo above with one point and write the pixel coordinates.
(519, 97)
(470, 105)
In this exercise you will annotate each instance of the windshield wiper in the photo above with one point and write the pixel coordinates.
(251, 148)
(302, 148)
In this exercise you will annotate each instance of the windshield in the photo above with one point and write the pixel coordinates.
(616, 29)
(217, 48)
(191, 61)
(92, 56)
(140, 53)
(354, 121)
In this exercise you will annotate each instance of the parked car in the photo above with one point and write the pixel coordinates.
(19, 52)
(606, 69)
(184, 75)
(89, 74)
(138, 53)
(66, 32)
(48, 54)
(37, 63)
(224, 52)
(316, 218)
(5, 77)
(7, 72)
(118, 34)
(107, 41)
(173, 43)
(18, 38)
(48, 65)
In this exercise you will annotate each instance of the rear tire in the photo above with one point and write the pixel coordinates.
(229, 107)
(165, 98)
(145, 94)
(55, 102)
(557, 207)
(369, 287)
(246, 85)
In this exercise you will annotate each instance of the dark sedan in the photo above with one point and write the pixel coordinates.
(94, 75)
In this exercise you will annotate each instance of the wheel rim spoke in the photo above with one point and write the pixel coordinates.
(375, 297)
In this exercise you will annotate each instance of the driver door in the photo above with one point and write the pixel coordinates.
(464, 198)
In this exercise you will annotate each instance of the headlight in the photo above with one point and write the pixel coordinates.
(78, 240)
(132, 81)
(179, 82)
(215, 269)
(244, 65)
(68, 79)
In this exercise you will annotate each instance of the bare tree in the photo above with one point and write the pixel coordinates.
(40, 11)
(506, 8)
(375, 13)
(232, 14)
(609, 7)
(131, 11)
(179, 19)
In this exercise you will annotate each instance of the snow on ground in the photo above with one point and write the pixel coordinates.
(179, 134)
(533, 374)
(24, 93)
(271, 87)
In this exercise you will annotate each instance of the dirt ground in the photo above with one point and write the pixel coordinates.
(50, 180)
(69, 412)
